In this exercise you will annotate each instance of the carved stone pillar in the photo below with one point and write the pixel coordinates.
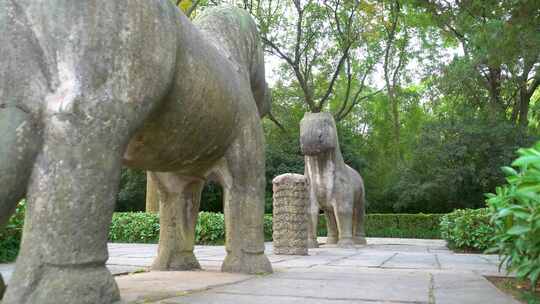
(290, 216)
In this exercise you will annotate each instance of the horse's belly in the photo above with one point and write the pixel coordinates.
(197, 121)
(186, 137)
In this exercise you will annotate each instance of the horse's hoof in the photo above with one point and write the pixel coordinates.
(248, 263)
(84, 283)
(312, 243)
(180, 261)
(331, 240)
(346, 243)
(360, 240)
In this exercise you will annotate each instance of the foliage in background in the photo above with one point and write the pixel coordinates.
(516, 215)
(141, 227)
(134, 227)
(418, 226)
(468, 229)
(497, 69)
(456, 161)
(466, 95)
(212, 198)
(132, 193)
(210, 228)
(10, 235)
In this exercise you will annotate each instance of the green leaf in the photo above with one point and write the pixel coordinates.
(533, 276)
(518, 230)
(509, 171)
(525, 160)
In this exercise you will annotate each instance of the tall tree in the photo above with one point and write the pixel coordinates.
(319, 42)
(395, 59)
(500, 41)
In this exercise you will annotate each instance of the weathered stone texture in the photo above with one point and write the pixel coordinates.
(334, 187)
(89, 86)
(2, 287)
(290, 215)
(152, 198)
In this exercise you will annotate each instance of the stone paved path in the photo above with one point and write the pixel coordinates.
(403, 271)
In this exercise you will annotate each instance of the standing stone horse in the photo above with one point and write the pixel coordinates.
(335, 187)
(86, 86)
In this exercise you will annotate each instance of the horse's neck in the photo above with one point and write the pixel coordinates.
(321, 170)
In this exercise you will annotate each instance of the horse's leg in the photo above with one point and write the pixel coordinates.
(243, 180)
(106, 82)
(359, 216)
(19, 143)
(152, 198)
(331, 227)
(343, 209)
(313, 218)
(70, 204)
(179, 207)
(21, 92)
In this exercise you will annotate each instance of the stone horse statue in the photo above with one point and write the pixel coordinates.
(335, 187)
(86, 86)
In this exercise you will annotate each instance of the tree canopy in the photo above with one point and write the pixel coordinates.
(431, 97)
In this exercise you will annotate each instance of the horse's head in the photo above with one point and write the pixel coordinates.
(317, 133)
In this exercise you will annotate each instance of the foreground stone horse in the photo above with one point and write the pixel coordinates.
(88, 85)
(335, 187)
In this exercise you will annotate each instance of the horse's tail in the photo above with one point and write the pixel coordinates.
(19, 142)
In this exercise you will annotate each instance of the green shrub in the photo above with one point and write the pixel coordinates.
(424, 226)
(468, 229)
(210, 228)
(134, 227)
(140, 227)
(10, 235)
(267, 227)
(516, 215)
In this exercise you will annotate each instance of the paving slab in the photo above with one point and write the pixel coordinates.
(367, 285)
(157, 285)
(452, 288)
(398, 271)
(481, 264)
(365, 259)
(411, 260)
(232, 298)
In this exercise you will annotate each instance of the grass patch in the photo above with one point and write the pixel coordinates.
(518, 289)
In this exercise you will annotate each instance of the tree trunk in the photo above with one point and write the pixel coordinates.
(397, 132)
(152, 198)
(524, 99)
(395, 121)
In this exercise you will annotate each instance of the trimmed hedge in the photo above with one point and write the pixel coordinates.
(134, 227)
(140, 227)
(419, 226)
(468, 229)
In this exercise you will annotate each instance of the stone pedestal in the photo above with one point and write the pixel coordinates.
(290, 218)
